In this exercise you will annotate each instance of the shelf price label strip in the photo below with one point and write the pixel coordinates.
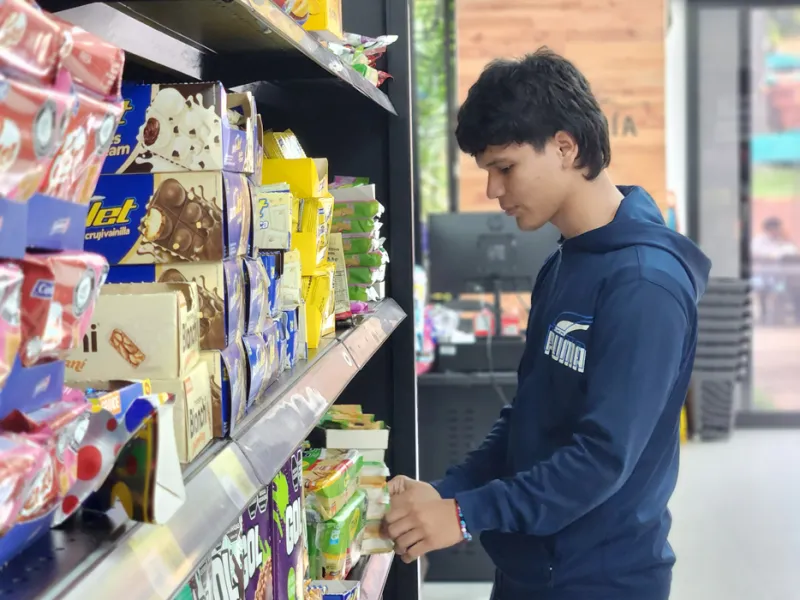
(364, 341)
(160, 558)
(284, 425)
(154, 561)
(374, 579)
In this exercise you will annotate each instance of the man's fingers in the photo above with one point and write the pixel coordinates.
(401, 527)
(398, 485)
(401, 501)
(407, 540)
(396, 512)
(413, 553)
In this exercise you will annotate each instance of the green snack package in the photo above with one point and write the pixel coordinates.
(330, 478)
(348, 225)
(367, 259)
(365, 275)
(362, 293)
(331, 543)
(360, 243)
(366, 209)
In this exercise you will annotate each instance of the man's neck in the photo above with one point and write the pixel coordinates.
(593, 205)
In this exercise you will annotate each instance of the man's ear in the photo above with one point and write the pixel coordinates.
(567, 148)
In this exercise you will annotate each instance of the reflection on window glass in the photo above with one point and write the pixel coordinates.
(775, 201)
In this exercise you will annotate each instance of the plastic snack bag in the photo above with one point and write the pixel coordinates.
(335, 545)
(348, 225)
(361, 243)
(367, 259)
(330, 479)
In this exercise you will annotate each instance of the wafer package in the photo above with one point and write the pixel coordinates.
(228, 370)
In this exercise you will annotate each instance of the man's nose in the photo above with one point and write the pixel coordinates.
(494, 187)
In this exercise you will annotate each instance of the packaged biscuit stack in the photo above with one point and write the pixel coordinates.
(346, 426)
(356, 215)
(335, 511)
(172, 206)
(373, 480)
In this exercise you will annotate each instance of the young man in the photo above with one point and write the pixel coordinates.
(568, 493)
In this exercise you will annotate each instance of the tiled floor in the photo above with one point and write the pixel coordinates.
(736, 522)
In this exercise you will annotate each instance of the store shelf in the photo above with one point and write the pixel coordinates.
(372, 332)
(215, 39)
(141, 42)
(373, 571)
(148, 561)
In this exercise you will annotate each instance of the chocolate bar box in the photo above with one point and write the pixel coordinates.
(221, 290)
(257, 287)
(168, 218)
(167, 128)
(288, 530)
(228, 372)
(263, 364)
(139, 331)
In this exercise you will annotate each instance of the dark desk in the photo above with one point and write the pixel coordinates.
(456, 411)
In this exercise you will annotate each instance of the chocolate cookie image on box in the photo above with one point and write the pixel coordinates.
(183, 223)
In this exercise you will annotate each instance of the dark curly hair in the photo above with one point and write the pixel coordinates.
(527, 101)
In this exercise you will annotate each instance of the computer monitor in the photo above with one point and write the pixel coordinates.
(485, 253)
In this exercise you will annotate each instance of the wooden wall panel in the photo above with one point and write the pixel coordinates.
(618, 44)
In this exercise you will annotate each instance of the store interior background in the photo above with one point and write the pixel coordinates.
(703, 103)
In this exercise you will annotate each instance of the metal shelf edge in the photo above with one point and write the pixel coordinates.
(376, 572)
(364, 340)
(135, 31)
(158, 560)
(285, 422)
(282, 24)
(137, 38)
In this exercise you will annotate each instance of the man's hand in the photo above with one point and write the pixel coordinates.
(419, 521)
(412, 489)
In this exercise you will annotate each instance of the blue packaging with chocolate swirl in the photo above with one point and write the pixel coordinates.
(168, 218)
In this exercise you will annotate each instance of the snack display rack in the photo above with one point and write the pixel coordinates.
(297, 83)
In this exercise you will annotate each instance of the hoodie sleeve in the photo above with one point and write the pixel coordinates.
(637, 350)
(481, 465)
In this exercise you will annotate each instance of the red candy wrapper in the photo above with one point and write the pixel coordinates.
(20, 460)
(32, 122)
(31, 41)
(76, 167)
(93, 63)
(10, 329)
(58, 429)
(59, 292)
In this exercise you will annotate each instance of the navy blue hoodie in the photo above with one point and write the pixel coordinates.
(569, 491)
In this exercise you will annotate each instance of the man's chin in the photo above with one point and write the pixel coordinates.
(527, 224)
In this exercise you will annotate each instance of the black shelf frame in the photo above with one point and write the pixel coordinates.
(336, 114)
